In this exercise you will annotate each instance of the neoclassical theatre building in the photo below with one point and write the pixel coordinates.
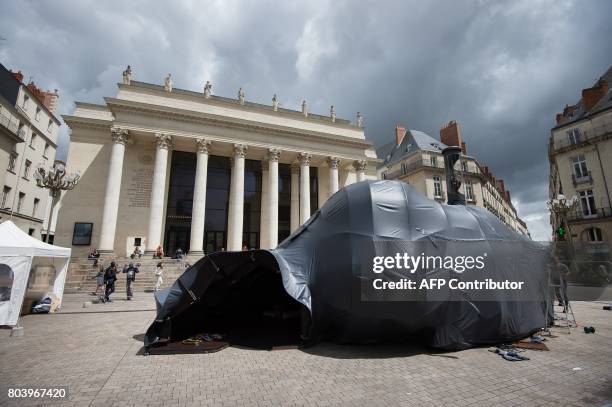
(204, 173)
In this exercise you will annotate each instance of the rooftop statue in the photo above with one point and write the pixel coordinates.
(207, 89)
(168, 83)
(127, 75)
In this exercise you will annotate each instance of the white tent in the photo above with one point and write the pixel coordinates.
(17, 252)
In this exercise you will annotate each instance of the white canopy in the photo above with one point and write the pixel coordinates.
(15, 242)
(17, 251)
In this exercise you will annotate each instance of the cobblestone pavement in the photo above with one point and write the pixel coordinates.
(96, 353)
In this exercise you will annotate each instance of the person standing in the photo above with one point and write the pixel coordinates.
(99, 280)
(130, 271)
(559, 279)
(159, 271)
(110, 276)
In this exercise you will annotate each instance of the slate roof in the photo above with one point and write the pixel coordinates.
(413, 141)
(604, 103)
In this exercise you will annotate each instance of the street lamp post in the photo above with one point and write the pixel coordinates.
(561, 207)
(56, 180)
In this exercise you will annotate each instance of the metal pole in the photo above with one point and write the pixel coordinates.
(603, 174)
(53, 193)
(18, 179)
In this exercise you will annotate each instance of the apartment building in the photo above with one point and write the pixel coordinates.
(28, 138)
(416, 158)
(580, 157)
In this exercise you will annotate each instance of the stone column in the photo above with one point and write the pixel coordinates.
(333, 163)
(158, 192)
(304, 159)
(113, 188)
(360, 167)
(264, 219)
(295, 197)
(236, 203)
(198, 212)
(273, 155)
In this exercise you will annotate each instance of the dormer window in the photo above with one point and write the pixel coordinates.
(574, 136)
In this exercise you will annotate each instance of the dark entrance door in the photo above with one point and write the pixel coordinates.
(177, 237)
(214, 241)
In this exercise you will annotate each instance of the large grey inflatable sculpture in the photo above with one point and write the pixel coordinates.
(311, 284)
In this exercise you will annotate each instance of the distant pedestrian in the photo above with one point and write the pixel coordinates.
(137, 253)
(110, 276)
(179, 254)
(159, 252)
(130, 271)
(245, 246)
(99, 280)
(560, 274)
(159, 271)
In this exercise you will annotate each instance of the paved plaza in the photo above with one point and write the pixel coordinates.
(97, 354)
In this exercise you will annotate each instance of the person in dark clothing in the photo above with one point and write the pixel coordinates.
(130, 271)
(110, 276)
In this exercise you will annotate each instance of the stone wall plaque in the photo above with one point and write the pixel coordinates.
(139, 188)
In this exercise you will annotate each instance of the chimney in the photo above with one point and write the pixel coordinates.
(50, 100)
(508, 197)
(464, 148)
(559, 118)
(18, 75)
(500, 186)
(36, 91)
(591, 96)
(450, 134)
(400, 132)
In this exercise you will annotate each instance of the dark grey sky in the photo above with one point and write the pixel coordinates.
(501, 69)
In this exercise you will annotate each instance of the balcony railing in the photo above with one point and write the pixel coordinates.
(12, 125)
(587, 179)
(599, 213)
(585, 137)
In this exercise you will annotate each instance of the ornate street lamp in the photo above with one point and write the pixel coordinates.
(561, 207)
(56, 180)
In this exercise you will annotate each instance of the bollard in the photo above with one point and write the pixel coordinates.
(17, 331)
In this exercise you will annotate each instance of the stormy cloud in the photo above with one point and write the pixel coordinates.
(501, 69)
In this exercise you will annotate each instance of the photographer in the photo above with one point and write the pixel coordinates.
(130, 271)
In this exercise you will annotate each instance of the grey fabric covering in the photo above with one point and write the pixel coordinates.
(320, 266)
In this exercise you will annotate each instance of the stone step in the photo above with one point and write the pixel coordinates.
(82, 273)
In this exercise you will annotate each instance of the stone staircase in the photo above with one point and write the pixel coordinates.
(81, 274)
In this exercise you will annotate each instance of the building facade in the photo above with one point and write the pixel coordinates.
(416, 158)
(190, 170)
(580, 157)
(28, 138)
